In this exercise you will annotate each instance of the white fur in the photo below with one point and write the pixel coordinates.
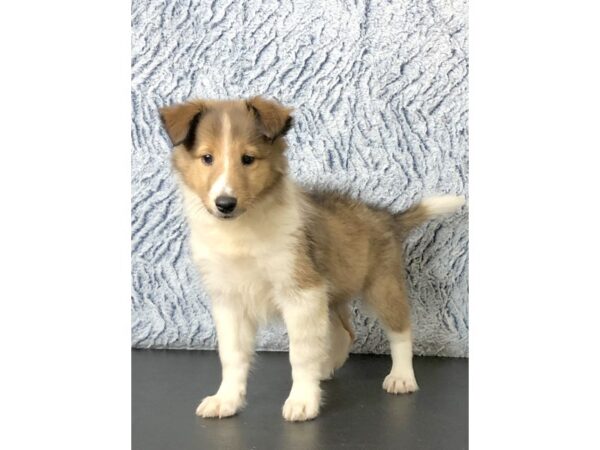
(306, 315)
(442, 205)
(221, 185)
(339, 350)
(235, 331)
(401, 379)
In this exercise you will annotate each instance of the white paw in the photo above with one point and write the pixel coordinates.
(218, 406)
(296, 408)
(398, 384)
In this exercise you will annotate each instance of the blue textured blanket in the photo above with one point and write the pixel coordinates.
(380, 91)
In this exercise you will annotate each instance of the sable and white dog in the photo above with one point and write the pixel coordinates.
(265, 246)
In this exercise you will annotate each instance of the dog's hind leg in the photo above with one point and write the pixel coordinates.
(342, 336)
(386, 294)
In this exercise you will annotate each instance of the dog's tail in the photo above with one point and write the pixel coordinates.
(428, 208)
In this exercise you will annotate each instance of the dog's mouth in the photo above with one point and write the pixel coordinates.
(229, 216)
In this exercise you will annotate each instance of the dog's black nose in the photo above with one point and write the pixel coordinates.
(225, 204)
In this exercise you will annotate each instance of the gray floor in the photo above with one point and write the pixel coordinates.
(167, 385)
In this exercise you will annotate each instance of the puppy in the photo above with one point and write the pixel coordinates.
(265, 246)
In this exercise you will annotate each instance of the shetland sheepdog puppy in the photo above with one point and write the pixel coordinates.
(265, 246)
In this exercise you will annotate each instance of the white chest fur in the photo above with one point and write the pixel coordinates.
(248, 259)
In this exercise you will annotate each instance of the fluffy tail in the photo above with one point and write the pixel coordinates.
(428, 208)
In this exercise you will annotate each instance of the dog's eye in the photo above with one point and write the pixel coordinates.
(207, 159)
(247, 160)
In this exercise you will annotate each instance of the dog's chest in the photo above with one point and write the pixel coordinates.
(244, 263)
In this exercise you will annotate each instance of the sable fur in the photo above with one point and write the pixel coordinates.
(286, 251)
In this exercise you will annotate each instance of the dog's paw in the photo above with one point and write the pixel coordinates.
(397, 384)
(301, 408)
(218, 406)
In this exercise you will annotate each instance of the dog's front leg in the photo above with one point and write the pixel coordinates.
(305, 313)
(235, 333)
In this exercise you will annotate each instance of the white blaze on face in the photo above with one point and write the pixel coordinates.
(221, 185)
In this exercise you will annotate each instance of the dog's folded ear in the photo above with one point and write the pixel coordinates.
(181, 121)
(274, 119)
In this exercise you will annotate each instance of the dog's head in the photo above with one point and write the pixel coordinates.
(230, 153)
